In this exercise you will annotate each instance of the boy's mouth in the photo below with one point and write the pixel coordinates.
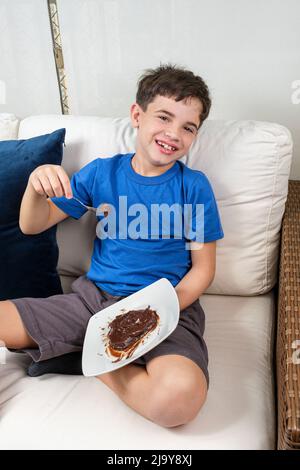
(165, 148)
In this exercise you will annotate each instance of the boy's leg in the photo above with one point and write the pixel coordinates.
(172, 387)
(12, 331)
(170, 391)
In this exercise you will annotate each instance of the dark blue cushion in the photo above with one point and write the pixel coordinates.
(27, 262)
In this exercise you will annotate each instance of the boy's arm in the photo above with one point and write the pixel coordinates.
(200, 276)
(37, 212)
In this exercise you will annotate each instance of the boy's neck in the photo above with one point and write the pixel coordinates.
(146, 169)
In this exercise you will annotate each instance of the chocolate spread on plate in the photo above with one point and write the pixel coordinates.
(128, 330)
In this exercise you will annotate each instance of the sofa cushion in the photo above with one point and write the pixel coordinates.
(73, 412)
(248, 165)
(27, 262)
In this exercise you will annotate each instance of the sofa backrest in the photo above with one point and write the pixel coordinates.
(248, 164)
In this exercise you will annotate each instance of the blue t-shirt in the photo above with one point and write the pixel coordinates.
(133, 246)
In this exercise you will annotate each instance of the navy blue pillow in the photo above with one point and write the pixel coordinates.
(27, 262)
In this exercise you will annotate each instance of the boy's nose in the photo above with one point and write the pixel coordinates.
(172, 134)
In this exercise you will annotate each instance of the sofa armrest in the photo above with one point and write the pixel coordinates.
(288, 325)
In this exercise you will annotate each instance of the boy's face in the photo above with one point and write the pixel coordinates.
(165, 122)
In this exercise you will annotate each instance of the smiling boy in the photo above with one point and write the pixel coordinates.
(168, 385)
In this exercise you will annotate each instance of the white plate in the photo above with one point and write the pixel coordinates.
(160, 295)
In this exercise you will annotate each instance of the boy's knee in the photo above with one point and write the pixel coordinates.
(12, 331)
(176, 405)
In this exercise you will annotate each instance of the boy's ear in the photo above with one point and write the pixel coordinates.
(135, 112)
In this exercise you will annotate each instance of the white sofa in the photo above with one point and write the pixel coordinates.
(248, 165)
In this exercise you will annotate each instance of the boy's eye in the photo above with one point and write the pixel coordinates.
(165, 118)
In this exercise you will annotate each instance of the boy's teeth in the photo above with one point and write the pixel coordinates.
(168, 147)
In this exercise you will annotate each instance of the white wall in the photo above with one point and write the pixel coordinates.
(28, 83)
(248, 51)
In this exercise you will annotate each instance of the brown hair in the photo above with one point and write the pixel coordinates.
(172, 81)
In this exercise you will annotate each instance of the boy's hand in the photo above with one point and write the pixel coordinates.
(51, 181)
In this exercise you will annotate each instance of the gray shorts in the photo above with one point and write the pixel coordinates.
(58, 324)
